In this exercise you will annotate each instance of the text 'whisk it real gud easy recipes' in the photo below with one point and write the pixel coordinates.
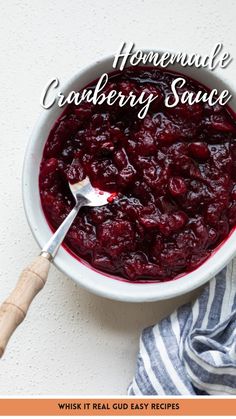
(119, 406)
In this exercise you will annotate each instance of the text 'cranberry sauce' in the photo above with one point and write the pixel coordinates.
(174, 171)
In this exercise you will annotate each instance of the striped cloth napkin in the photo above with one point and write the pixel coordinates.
(192, 351)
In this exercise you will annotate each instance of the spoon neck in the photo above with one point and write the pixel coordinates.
(52, 246)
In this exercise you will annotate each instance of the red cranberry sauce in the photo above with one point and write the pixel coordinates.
(174, 171)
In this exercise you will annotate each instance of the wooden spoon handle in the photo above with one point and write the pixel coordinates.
(15, 307)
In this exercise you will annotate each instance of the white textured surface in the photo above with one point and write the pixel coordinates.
(73, 342)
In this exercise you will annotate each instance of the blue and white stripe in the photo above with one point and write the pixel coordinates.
(192, 351)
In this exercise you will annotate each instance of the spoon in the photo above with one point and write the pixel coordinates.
(33, 278)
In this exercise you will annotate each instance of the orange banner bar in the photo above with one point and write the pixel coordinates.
(118, 407)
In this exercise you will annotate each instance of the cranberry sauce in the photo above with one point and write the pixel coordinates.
(174, 171)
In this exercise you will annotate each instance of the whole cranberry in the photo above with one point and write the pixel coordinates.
(221, 123)
(177, 186)
(199, 150)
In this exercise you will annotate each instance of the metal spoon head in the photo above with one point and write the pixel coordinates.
(93, 197)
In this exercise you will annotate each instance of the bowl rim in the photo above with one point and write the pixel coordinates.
(98, 282)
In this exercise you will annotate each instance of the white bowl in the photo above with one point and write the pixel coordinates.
(87, 277)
